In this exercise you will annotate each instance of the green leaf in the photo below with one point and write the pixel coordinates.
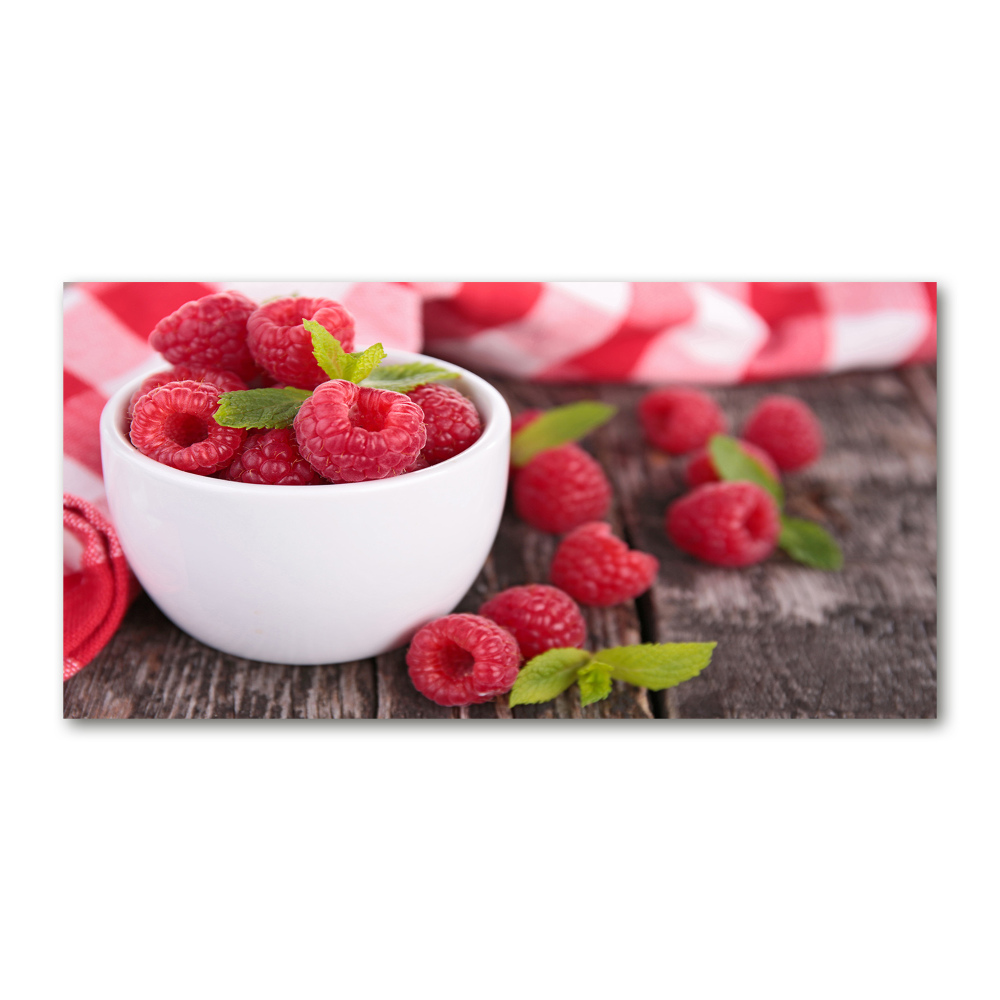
(657, 665)
(732, 462)
(595, 683)
(335, 361)
(547, 675)
(559, 426)
(363, 363)
(807, 542)
(270, 408)
(403, 378)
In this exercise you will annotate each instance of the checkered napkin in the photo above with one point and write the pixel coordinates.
(710, 333)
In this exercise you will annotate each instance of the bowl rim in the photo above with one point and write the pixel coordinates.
(112, 436)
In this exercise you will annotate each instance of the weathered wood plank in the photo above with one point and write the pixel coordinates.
(152, 670)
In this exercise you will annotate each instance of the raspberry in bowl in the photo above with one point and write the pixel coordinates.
(309, 574)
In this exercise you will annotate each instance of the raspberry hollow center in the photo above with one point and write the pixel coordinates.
(370, 418)
(758, 523)
(185, 429)
(456, 662)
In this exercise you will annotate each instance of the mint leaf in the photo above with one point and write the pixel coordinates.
(363, 363)
(335, 361)
(595, 683)
(559, 426)
(807, 542)
(656, 665)
(329, 355)
(547, 675)
(732, 462)
(270, 408)
(403, 378)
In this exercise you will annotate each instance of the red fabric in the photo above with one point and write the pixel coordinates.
(96, 596)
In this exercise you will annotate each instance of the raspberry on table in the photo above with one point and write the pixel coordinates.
(729, 524)
(679, 420)
(223, 380)
(538, 616)
(463, 660)
(175, 424)
(700, 468)
(283, 347)
(596, 568)
(787, 430)
(210, 332)
(349, 433)
(272, 458)
(560, 489)
(452, 420)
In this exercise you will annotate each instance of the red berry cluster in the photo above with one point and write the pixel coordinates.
(728, 523)
(343, 432)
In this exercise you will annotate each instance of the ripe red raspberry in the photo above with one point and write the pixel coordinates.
(272, 458)
(283, 347)
(463, 660)
(679, 420)
(452, 421)
(596, 568)
(787, 430)
(538, 616)
(700, 468)
(225, 381)
(730, 524)
(210, 332)
(175, 424)
(560, 489)
(349, 433)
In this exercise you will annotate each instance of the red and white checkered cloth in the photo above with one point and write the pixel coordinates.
(709, 333)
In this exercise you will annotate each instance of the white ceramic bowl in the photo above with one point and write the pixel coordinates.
(309, 574)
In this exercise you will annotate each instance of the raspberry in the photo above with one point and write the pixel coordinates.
(463, 660)
(787, 430)
(560, 489)
(452, 421)
(272, 458)
(225, 381)
(283, 347)
(539, 617)
(210, 332)
(700, 468)
(596, 568)
(175, 424)
(679, 420)
(349, 433)
(730, 524)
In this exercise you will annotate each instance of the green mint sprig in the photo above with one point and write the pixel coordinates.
(260, 408)
(558, 426)
(805, 541)
(403, 378)
(650, 665)
(335, 361)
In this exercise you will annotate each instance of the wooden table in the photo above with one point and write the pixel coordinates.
(792, 642)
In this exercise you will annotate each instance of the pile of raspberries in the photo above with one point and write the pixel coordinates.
(342, 433)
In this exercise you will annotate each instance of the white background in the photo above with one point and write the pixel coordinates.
(446, 141)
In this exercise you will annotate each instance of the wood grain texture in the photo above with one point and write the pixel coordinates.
(792, 642)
